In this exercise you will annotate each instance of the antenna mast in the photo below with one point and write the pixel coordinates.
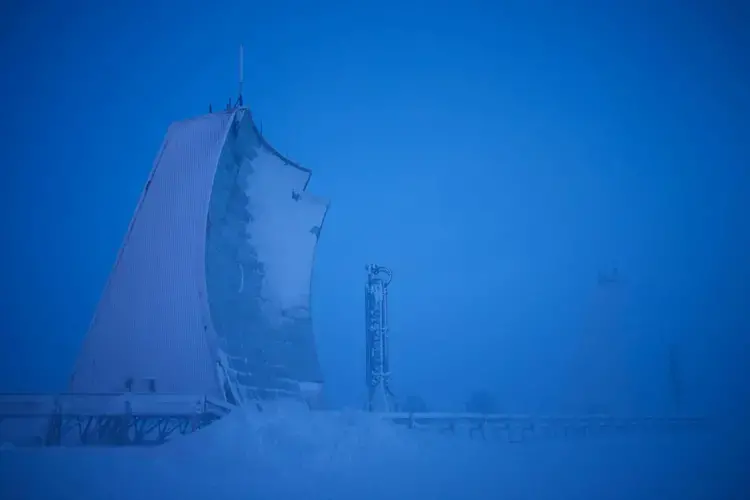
(242, 75)
(378, 374)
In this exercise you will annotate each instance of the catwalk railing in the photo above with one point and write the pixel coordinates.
(146, 419)
(515, 428)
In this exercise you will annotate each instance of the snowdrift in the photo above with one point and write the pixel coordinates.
(300, 455)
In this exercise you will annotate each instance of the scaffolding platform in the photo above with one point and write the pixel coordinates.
(117, 419)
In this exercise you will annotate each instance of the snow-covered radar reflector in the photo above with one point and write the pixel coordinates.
(210, 292)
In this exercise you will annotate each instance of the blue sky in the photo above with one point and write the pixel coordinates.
(495, 156)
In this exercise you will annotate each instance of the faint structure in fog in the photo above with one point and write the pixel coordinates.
(481, 402)
(675, 378)
(603, 384)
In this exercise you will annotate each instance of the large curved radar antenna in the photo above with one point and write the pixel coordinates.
(210, 292)
(610, 278)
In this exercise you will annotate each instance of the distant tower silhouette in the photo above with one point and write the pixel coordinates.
(378, 371)
(675, 378)
(603, 388)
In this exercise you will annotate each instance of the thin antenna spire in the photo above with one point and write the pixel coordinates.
(242, 75)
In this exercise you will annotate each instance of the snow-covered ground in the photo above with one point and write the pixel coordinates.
(288, 455)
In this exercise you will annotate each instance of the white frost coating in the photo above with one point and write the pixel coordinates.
(287, 254)
(149, 322)
(213, 278)
(261, 218)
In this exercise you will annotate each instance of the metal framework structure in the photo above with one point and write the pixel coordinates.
(378, 374)
(127, 419)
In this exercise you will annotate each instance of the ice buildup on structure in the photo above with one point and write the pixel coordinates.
(210, 292)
